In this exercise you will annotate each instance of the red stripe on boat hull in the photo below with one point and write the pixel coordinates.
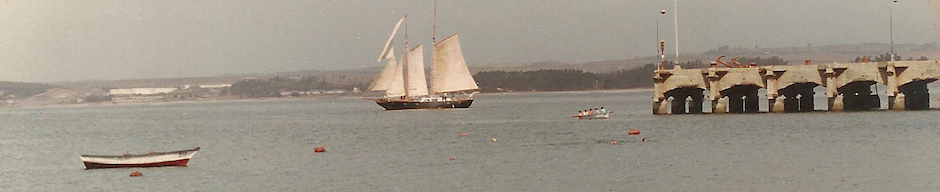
(93, 165)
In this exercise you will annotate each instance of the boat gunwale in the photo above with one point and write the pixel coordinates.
(142, 155)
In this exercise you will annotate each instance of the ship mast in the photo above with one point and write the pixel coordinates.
(433, 41)
(405, 69)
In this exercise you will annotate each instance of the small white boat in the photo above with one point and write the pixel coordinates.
(595, 116)
(152, 159)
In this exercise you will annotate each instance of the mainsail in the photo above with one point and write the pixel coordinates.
(417, 84)
(449, 72)
(382, 80)
(396, 87)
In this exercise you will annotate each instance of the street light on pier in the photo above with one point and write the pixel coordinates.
(675, 12)
(660, 43)
(891, 27)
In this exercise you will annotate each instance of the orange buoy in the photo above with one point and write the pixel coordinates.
(319, 149)
(634, 132)
(645, 140)
(136, 174)
(464, 134)
(613, 142)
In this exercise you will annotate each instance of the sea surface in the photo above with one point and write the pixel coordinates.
(515, 142)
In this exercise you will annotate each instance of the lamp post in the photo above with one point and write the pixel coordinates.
(891, 27)
(659, 43)
(675, 10)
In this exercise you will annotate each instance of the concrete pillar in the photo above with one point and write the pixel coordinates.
(659, 100)
(892, 81)
(772, 92)
(661, 107)
(655, 107)
(776, 105)
(897, 102)
(720, 106)
(835, 103)
(832, 92)
(714, 95)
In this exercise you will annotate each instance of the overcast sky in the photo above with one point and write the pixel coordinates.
(68, 40)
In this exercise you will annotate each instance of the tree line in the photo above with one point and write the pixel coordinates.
(569, 79)
(762, 61)
(22, 90)
(886, 57)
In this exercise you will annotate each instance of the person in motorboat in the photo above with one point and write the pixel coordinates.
(603, 111)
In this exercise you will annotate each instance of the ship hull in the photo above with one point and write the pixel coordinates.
(173, 158)
(400, 105)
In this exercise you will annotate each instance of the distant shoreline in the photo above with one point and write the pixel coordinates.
(232, 99)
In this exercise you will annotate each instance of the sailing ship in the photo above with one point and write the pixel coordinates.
(407, 87)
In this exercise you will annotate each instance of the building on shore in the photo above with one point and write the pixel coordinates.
(141, 91)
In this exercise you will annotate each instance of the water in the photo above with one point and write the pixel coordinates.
(268, 146)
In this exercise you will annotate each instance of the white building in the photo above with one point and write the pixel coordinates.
(142, 91)
(214, 86)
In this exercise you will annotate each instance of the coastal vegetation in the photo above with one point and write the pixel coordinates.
(887, 57)
(762, 61)
(12, 90)
(569, 79)
(273, 87)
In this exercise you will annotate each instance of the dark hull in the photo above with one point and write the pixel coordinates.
(398, 105)
(93, 165)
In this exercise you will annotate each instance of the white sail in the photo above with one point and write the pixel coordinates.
(449, 72)
(383, 79)
(417, 82)
(396, 87)
(387, 52)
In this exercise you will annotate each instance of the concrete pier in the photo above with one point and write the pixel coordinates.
(789, 88)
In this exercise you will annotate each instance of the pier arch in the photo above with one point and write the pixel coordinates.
(790, 88)
(796, 97)
(907, 84)
(677, 89)
(858, 96)
(848, 86)
(914, 95)
(741, 99)
(686, 100)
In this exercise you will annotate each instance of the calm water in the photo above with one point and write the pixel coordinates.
(268, 146)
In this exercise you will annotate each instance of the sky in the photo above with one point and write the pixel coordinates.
(67, 40)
